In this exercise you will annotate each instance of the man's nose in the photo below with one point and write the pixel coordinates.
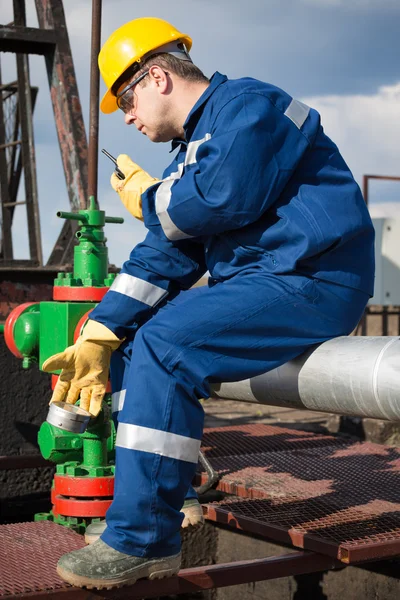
(129, 119)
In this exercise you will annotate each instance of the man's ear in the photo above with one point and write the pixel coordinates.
(159, 77)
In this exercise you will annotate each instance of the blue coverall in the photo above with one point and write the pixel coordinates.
(260, 197)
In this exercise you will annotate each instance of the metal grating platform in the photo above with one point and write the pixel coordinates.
(312, 491)
(29, 553)
(28, 556)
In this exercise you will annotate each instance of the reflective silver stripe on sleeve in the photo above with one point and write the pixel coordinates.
(117, 401)
(163, 194)
(134, 437)
(176, 174)
(192, 148)
(138, 289)
(297, 112)
(163, 198)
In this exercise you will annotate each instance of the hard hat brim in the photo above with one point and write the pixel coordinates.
(108, 103)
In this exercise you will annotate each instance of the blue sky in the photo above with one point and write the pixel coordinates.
(338, 56)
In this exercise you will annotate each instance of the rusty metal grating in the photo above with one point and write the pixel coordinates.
(29, 553)
(315, 492)
(238, 440)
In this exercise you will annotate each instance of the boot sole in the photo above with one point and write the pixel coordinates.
(152, 570)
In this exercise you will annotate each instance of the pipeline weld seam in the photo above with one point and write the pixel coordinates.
(375, 374)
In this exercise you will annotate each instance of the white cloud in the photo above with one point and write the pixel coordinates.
(354, 4)
(367, 132)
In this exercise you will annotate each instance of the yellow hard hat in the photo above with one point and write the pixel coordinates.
(129, 44)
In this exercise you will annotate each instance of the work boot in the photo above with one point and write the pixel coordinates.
(100, 566)
(191, 509)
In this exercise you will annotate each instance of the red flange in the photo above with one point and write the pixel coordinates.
(83, 486)
(54, 379)
(71, 507)
(70, 293)
(9, 327)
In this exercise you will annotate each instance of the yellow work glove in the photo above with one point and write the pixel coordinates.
(131, 188)
(85, 367)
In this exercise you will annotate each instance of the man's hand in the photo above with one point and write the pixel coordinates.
(131, 188)
(84, 368)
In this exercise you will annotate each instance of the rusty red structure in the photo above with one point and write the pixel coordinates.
(51, 41)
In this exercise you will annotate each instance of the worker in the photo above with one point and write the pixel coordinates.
(258, 196)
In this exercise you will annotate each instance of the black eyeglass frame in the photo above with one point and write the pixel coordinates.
(127, 88)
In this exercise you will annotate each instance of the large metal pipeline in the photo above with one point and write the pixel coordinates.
(355, 376)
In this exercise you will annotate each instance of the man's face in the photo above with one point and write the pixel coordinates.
(148, 106)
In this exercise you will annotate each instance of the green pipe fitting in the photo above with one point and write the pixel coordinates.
(58, 445)
(94, 452)
(91, 254)
(87, 453)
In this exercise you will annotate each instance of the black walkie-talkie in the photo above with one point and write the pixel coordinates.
(118, 171)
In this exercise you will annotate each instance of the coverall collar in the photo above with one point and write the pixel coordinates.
(190, 123)
(216, 80)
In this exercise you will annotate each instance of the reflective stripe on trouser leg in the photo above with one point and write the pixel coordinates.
(232, 331)
(154, 467)
(119, 373)
(117, 401)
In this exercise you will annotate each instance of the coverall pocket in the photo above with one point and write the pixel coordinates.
(303, 286)
(252, 252)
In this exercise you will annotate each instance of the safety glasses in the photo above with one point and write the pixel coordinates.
(125, 97)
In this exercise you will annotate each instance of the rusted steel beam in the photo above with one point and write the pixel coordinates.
(16, 160)
(13, 204)
(360, 553)
(28, 144)
(68, 116)
(347, 552)
(6, 247)
(27, 40)
(9, 87)
(16, 263)
(94, 100)
(10, 144)
(66, 103)
(272, 531)
(63, 249)
(235, 573)
(189, 581)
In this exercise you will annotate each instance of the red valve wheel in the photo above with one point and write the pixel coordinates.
(9, 327)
